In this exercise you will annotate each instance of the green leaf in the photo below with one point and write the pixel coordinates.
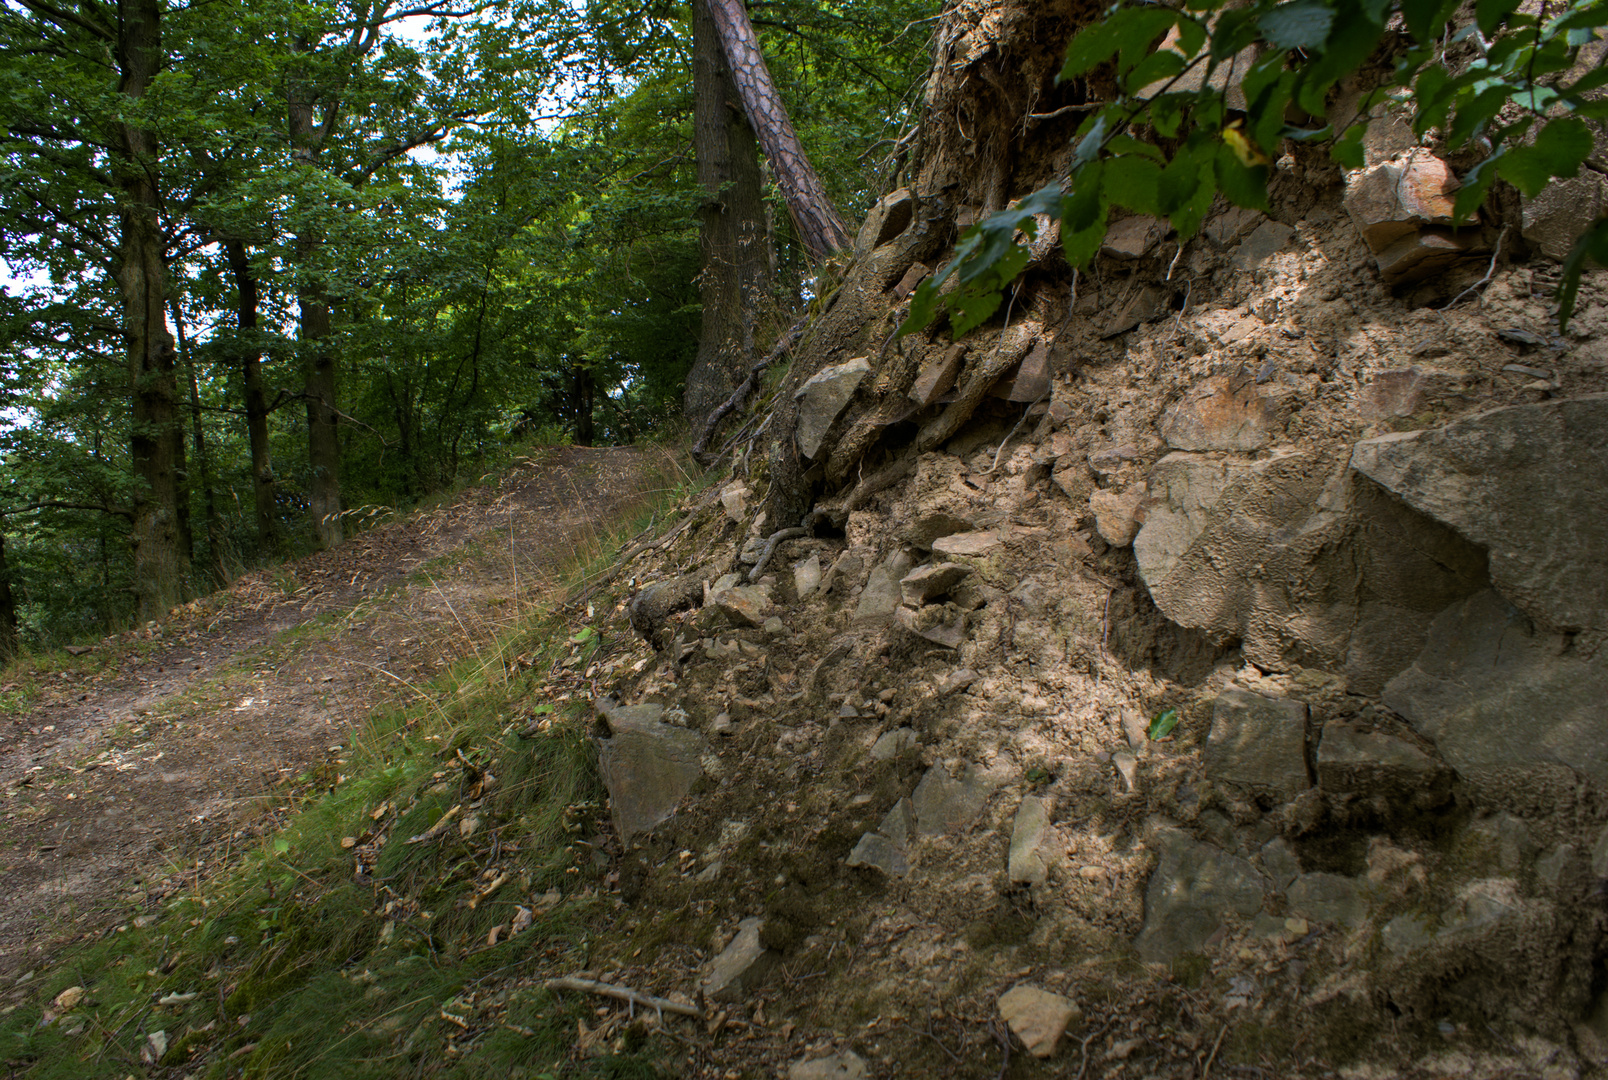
(1298, 24)
(924, 304)
(1163, 724)
(1472, 116)
(281, 845)
(1091, 144)
(1131, 182)
(972, 309)
(1476, 185)
(1593, 245)
(1353, 38)
(1426, 18)
(1242, 184)
(1558, 150)
(1191, 36)
(1157, 67)
(1136, 29)
(1094, 44)
(1490, 13)
(1235, 30)
(1086, 202)
(1347, 149)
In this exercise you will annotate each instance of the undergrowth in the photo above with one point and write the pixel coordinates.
(404, 920)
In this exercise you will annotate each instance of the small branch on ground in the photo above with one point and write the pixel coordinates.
(623, 993)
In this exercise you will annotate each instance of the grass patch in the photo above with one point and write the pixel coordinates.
(404, 919)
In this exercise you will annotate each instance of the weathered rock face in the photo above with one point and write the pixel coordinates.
(647, 765)
(1193, 887)
(1037, 1017)
(1223, 412)
(1403, 209)
(742, 966)
(822, 399)
(1528, 482)
(948, 804)
(1495, 694)
(1302, 564)
(1258, 742)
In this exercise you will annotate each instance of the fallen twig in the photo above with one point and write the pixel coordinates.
(438, 828)
(1207, 1071)
(624, 993)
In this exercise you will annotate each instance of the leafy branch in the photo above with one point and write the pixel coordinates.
(1169, 142)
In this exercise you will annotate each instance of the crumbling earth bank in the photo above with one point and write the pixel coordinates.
(1339, 500)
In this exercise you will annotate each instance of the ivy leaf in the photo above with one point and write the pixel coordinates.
(1476, 184)
(1298, 24)
(1558, 150)
(1163, 724)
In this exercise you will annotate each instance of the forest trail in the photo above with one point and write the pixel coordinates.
(140, 770)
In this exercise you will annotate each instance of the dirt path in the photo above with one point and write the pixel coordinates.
(187, 739)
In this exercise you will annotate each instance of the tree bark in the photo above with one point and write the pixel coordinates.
(8, 609)
(247, 299)
(736, 257)
(323, 433)
(156, 440)
(203, 459)
(819, 225)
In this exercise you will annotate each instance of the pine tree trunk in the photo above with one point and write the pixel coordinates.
(156, 439)
(819, 225)
(250, 358)
(736, 255)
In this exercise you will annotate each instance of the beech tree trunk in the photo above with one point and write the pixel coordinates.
(819, 225)
(323, 432)
(156, 440)
(734, 242)
(250, 359)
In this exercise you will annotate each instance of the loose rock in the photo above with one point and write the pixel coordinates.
(742, 966)
(1037, 1017)
(1258, 742)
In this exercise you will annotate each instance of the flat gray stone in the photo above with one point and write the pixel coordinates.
(1353, 760)
(1258, 742)
(822, 399)
(1027, 863)
(742, 966)
(1193, 886)
(968, 543)
(931, 582)
(1527, 482)
(879, 598)
(845, 1066)
(899, 823)
(929, 528)
(648, 770)
(1494, 694)
(934, 624)
(1267, 240)
(1327, 898)
(944, 804)
(1280, 863)
(880, 853)
(617, 718)
(893, 743)
(742, 606)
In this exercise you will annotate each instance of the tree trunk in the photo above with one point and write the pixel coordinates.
(8, 609)
(582, 392)
(819, 225)
(156, 439)
(736, 257)
(203, 460)
(323, 434)
(250, 359)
